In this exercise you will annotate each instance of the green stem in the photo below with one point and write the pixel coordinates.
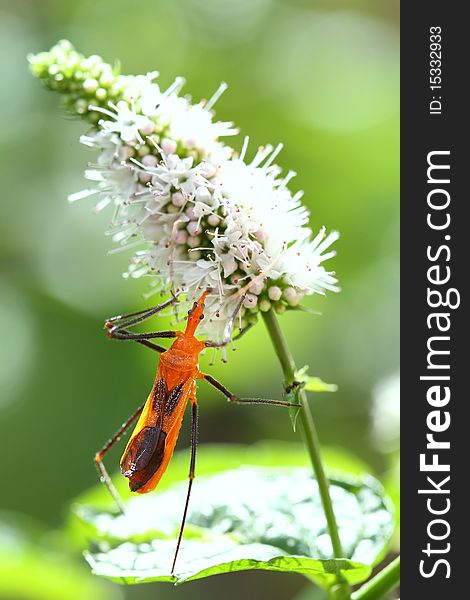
(380, 585)
(310, 433)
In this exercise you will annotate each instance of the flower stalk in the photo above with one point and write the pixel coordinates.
(309, 430)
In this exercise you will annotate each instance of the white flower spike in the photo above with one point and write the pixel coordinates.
(202, 216)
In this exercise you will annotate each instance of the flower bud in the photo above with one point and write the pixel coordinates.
(147, 128)
(149, 160)
(145, 177)
(290, 295)
(90, 86)
(208, 169)
(274, 293)
(168, 146)
(195, 255)
(181, 236)
(193, 241)
(193, 228)
(250, 301)
(257, 286)
(178, 199)
(203, 195)
(101, 94)
(213, 220)
(190, 213)
(264, 305)
(81, 106)
(107, 79)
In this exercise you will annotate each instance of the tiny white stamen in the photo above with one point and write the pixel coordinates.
(220, 90)
(273, 156)
(246, 141)
(80, 195)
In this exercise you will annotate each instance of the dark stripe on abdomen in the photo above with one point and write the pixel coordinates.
(158, 395)
(173, 398)
(144, 456)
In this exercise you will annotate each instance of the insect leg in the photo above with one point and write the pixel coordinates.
(192, 468)
(236, 400)
(124, 334)
(148, 344)
(242, 332)
(122, 321)
(104, 476)
(225, 342)
(117, 326)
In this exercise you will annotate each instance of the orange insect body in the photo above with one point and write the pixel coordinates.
(153, 440)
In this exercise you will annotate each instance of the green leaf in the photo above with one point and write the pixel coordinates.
(313, 384)
(291, 395)
(36, 563)
(303, 381)
(254, 517)
(131, 564)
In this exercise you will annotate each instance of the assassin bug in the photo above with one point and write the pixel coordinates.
(159, 419)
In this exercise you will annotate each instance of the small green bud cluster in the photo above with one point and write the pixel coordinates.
(82, 81)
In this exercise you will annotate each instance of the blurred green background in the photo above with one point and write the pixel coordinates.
(320, 76)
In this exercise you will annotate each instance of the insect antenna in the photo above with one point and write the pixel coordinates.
(171, 250)
(227, 337)
(241, 293)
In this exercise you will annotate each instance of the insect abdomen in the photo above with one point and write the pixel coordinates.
(143, 456)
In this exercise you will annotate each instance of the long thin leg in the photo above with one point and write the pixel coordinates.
(124, 334)
(117, 326)
(242, 332)
(236, 400)
(225, 342)
(155, 347)
(192, 469)
(104, 476)
(144, 342)
(139, 316)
